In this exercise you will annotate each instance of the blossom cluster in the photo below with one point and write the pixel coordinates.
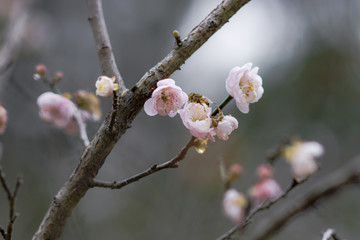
(243, 84)
(302, 158)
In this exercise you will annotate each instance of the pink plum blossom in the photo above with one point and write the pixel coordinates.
(302, 157)
(245, 86)
(3, 119)
(166, 99)
(225, 127)
(197, 118)
(56, 108)
(105, 86)
(267, 189)
(234, 205)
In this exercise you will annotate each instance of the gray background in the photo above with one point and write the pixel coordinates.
(308, 54)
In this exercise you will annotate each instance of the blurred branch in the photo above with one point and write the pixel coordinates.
(103, 45)
(11, 199)
(10, 46)
(173, 163)
(129, 104)
(249, 217)
(328, 185)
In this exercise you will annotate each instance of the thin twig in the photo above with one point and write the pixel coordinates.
(327, 186)
(173, 163)
(7, 235)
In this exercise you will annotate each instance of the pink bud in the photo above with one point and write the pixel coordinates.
(264, 171)
(57, 77)
(41, 69)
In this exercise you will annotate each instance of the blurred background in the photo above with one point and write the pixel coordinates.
(308, 53)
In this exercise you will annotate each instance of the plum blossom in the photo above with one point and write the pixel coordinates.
(225, 127)
(56, 108)
(234, 205)
(245, 86)
(267, 189)
(3, 119)
(105, 86)
(166, 99)
(302, 157)
(197, 118)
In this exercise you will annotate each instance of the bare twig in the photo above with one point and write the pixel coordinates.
(7, 235)
(129, 105)
(327, 186)
(173, 163)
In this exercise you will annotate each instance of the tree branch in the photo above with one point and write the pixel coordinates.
(129, 105)
(327, 186)
(103, 45)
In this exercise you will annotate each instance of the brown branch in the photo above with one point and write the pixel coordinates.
(329, 185)
(173, 163)
(7, 235)
(129, 105)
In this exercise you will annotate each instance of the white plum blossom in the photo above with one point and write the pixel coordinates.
(105, 86)
(225, 127)
(166, 99)
(302, 157)
(234, 205)
(197, 118)
(245, 86)
(56, 108)
(3, 119)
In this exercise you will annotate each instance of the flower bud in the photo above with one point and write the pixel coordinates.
(57, 77)
(41, 70)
